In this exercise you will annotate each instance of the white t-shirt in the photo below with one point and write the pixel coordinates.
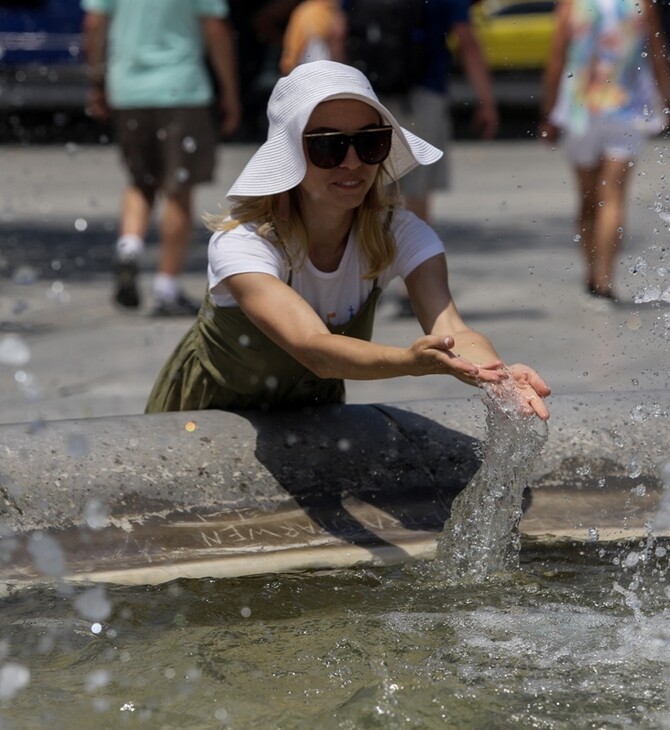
(335, 296)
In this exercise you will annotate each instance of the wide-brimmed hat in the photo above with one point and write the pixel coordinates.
(279, 164)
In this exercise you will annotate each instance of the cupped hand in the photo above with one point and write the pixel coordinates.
(530, 391)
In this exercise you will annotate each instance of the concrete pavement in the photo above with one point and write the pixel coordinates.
(515, 270)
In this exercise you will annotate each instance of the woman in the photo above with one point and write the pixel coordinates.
(296, 268)
(602, 88)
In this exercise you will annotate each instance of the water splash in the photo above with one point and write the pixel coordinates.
(481, 537)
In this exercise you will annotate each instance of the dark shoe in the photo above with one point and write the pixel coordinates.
(182, 306)
(126, 294)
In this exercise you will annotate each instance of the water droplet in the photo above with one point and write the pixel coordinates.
(58, 293)
(47, 554)
(13, 351)
(13, 678)
(100, 677)
(245, 612)
(96, 514)
(81, 224)
(189, 144)
(93, 604)
(632, 559)
(634, 469)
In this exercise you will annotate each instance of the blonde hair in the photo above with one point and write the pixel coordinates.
(279, 220)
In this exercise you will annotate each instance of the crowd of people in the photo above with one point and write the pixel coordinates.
(335, 204)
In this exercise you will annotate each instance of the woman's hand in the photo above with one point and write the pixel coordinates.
(517, 383)
(529, 393)
(433, 355)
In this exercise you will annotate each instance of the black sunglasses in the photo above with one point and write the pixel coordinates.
(328, 149)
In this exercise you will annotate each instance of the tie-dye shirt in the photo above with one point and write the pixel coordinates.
(607, 72)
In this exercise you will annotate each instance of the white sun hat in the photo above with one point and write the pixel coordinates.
(279, 164)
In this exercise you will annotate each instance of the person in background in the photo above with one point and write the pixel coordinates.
(426, 108)
(604, 89)
(148, 71)
(314, 234)
(259, 30)
(315, 32)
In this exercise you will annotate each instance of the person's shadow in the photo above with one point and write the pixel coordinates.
(338, 462)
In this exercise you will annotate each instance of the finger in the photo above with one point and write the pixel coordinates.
(539, 385)
(539, 407)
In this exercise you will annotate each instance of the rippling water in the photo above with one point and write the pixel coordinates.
(576, 638)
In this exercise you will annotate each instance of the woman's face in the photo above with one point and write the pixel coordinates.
(345, 185)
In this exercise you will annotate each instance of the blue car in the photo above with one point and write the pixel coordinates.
(41, 55)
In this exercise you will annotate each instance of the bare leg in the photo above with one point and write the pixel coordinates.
(175, 233)
(136, 211)
(587, 180)
(176, 223)
(608, 232)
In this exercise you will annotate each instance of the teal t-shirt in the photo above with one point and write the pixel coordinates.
(156, 51)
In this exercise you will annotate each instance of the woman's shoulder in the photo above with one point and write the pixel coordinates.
(405, 223)
(248, 232)
(244, 240)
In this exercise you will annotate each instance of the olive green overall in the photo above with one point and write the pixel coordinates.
(225, 362)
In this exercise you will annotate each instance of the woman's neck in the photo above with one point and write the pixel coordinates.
(327, 238)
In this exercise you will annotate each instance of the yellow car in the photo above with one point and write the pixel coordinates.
(515, 34)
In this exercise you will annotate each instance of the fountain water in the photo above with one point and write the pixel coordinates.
(481, 537)
(576, 636)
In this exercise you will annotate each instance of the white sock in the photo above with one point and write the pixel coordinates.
(166, 287)
(129, 247)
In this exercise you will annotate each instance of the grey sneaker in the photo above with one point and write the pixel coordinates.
(182, 306)
(126, 293)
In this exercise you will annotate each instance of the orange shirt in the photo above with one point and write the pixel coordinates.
(311, 20)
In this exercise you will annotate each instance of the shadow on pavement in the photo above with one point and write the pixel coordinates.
(57, 250)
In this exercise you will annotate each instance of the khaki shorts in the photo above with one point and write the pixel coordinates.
(169, 149)
(426, 114)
